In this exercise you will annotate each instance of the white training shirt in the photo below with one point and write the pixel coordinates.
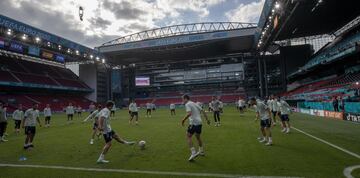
(133, 107)
(195, 118)
(241, 103)
(216, 105)
(47, 112)
(274, 105)
(18, 115)
(284, 107)
(172, 106)
(70, 110)
(148, 106)
(262, 109)
(269, 103)
(105, 113)
(30, 117)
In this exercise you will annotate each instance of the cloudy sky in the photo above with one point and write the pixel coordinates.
(105, 20)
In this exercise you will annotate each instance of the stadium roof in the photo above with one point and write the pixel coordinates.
(8, 23)
(300, 18)
(180, 42)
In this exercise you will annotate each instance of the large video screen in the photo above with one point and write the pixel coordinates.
(142, 81)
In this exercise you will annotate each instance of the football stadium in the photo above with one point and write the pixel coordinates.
(275, 97)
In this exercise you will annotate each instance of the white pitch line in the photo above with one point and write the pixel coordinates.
(348, 170)
(166, 173)
(328, 143)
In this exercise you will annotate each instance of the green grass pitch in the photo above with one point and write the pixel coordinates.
(230, 149)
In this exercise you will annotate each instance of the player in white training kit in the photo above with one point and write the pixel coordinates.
(172, 109)
(193, 113)
(285, 110)
(70, 111)
(263, 113)
(148, 109)
(109, 134)
(30, 117)
(18, 116)
(94, 115)
(241, 105)
(215, 107)
(134, 112)
(47, 115)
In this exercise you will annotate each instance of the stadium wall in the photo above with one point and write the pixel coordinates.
(87, 73)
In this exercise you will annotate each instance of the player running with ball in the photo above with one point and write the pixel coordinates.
(109, 134)
(193, 113)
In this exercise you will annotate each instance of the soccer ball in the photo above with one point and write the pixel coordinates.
(142, 144)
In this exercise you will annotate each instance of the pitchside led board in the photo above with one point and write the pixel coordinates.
(142, 81)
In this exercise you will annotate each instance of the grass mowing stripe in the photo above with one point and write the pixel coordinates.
(140, 171)
(328, 143)
(348, 170)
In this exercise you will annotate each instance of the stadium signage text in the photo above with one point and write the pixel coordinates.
(322, 113)
(21, 27)
(16, 47)
(352, 117)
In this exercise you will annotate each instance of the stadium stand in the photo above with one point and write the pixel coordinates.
(21, 71)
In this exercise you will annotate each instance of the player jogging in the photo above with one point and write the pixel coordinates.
(18, 116)
(193, 113)
(263, 113)
(31, 116)
(148, 109)
(109, 134)
(47, 114)
(133, 112)
(94, 115)
(285, 110)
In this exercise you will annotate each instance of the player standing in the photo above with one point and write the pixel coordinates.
(215, 105)
(113, 109)
(285, 110)
(3, 122)
(193, 113)
(30, 117)
(172, 109)
(133, 112)
(241, 105)
(70, 112)
(275, 109)
(79, 110)
(47, 114)
(109, 134)
(18, 116)
(263, 113)
(148, 109)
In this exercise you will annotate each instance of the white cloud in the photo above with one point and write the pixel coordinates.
(246, 12)
(103, 19)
